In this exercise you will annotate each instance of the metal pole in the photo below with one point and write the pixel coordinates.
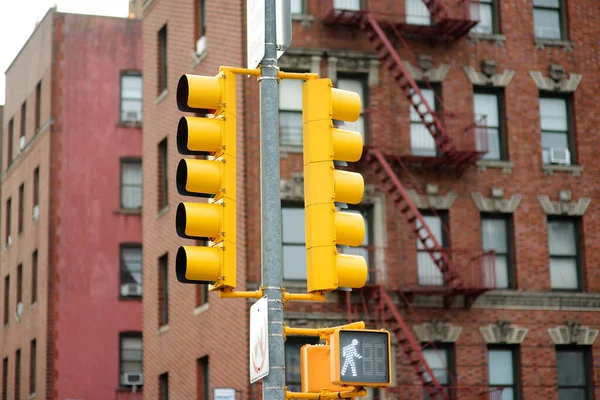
(273, 384)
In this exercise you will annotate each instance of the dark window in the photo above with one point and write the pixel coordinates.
(573, 368)
(503, 370)
(200, 25)
(548, 19)
(163, 180)
(32, 366)
(9, 151)
(428, 272)
(496, 232)
(130, 356)
(293, 242)
(131, 269)
(23, 119)
(557, 136)
(34, 276)
(441, 362)
(163, 290)
(201, 294)
(489, 105)
(5, 378)
(21, 207)
(131, 97)
(202, 379)
(162, 59)
(18, 374)
(131, 184)
(486, 11)
(8, 222)
(563, 246)
(163, 386)
(290, 111)
(38, 105)
(19, 283)
(292, 360)
(6, 298)
(36, 187)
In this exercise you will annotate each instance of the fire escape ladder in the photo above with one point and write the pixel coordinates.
(393, 187)
(412, 350)
(409, 87)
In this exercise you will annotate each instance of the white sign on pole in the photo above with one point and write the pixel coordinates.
(255, 32)
(259, 340)
(224, 394)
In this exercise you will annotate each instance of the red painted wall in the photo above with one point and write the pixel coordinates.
(89, 61)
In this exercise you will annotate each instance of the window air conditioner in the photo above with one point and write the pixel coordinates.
(22, 143)
(8, 241)
(19, 312)
(132, 379)
(131, 289)
(133, 116)
(560, 155)
(201, 45)
(36, 212)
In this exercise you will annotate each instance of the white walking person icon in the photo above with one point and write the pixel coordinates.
(348, 353)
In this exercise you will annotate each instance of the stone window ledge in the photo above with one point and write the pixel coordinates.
(506, 166)
(162, 96)
(549, 169)
(477, 37)
(304, 19)
(127, 211)
(163, 329)
(290, 148)
(201, 309)
(541, 43)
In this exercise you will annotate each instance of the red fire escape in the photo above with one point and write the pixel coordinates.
(467, 273)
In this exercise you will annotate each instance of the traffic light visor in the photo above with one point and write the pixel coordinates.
(345, 105)
(198, 264)
(199, 94)
(199, 136)
(198, 220)
(200, 178)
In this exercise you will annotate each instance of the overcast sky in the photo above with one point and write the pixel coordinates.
(18, 19)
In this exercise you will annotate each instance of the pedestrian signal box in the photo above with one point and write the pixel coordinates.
(360, 358)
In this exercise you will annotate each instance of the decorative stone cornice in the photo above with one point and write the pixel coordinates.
(495, 79)
(477, 37)
(354, 62)
(503, 332)
(434, 75)
(432, 198)
(301, 59)
(564, 206)
(437, 331)
(496, 203)
(541, 43)
(573, 333)
(557, 81)
(293, 189)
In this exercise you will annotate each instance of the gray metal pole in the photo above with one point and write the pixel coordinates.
(273, 384)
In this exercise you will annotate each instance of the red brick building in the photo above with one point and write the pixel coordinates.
(480, 202)
(71, 194)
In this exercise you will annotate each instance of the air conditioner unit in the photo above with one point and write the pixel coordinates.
(133, 116)
(22, 143)
(8, 241)
(131, 289)
(132, 379)
(560, 155)
(36, 212)
(201, 45)
(19, 312)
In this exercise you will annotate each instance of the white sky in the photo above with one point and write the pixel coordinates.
(18, 19)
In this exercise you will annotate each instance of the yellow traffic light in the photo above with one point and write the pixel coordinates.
(315, 369)
(326, 227)
(360, 358)
(213, 136)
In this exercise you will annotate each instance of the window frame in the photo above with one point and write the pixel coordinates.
(32, 366)
(17, 388)
(502, 136)
(450, 350)
(126, 73)
(36, 186)
(495, 17)
(5, 378)
(34, 276)
(203, 376)
(303, 8)
(295, 112)
(19, 283)
(587, 366)
(516, 367)
(128, 335)
(162, 58)
(38, 105)
(163, 290)
(290, 205)
(444, 217)
(571, 142)
(10, 142)
(8, 220)
(163, 386)
(162, 174)
(131, 160)
(123, 267)
(21, 215)
(510, 247)
(6, 317)
(199, 20)
(577, 224)
(436, 88)
(562, 19)
(23, 121)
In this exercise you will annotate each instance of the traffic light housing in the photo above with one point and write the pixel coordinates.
(324, 186)
(214, 177)
(360, 358)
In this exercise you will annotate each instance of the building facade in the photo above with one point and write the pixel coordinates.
(479, 203)
(71, 212)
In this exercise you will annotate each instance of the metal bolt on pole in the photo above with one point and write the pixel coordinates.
(274, 383)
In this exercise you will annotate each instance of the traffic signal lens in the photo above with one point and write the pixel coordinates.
(196, 93)
(199, 136)
(198, 264)
(198, 220)
(361, 357)
(200, 178)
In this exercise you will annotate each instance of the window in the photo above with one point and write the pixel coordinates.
(487, 13)
(555, 124)
(422, 142)
(441, 363)
(6, 298)
(429, 272)
(131, 97)
(163, 290)
(201, 294)
(503, 370)
(548, 19)
(36, 187)
(357, 86)
(130, 354)
(19, 283)
(23, 119)
(5, 378)
(417, 13)
(34, 276)
(21, 207)
(488, 105)
(351, 5)
(290, 111)
(131, 184)
(563, 245)
(496, 234)
(293, 242)
(163, 386)
(200, 25)
(32, 366)
(131, 269)
(573, 368)
(8, 222)
(18, 374)
(162, 59)
(292, 360)
(202, 388)
(297, 6)
(38, 105)
(163, 180)
(9, 154)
